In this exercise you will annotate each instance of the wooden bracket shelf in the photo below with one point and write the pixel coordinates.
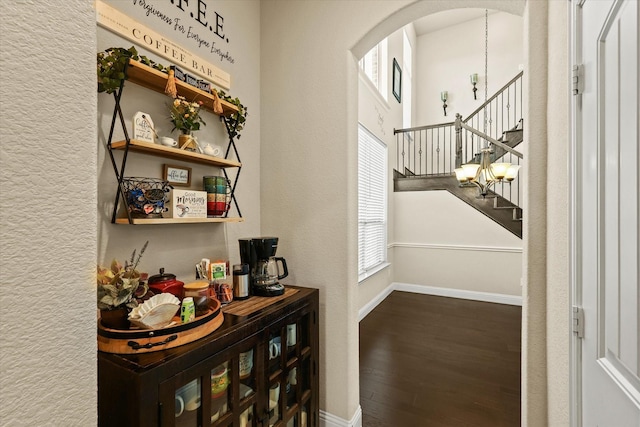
(155, 221)
(156, 80)
(174, 153)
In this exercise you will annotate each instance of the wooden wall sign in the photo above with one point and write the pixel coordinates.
(143, 129)
(119, 23)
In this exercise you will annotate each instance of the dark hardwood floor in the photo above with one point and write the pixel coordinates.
(435, 361)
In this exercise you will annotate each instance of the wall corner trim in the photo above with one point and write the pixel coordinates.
(330, 420)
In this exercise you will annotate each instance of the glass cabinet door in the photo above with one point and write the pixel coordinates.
(187, 403)
(288, 354)
(218, 392)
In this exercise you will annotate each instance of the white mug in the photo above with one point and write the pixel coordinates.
(179, 406)
(274, 348)
(274, 395)
(246, 363)
(293, 380)
(245, 417)
(168, 141)
(190, 394)
(291, 335)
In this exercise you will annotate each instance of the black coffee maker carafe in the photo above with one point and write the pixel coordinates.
(264, 269)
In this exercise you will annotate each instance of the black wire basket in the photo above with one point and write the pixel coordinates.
(146, 197)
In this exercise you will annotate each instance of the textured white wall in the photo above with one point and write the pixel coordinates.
(48, 211)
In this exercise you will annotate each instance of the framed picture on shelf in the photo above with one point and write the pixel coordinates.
(397, 81)
(177, 175)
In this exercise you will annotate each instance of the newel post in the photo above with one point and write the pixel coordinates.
(458, 127)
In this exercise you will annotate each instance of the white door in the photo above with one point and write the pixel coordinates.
(606, 187)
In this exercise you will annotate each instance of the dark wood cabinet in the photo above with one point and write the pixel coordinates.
(259, 369)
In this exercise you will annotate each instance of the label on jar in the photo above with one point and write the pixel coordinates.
(187, 310)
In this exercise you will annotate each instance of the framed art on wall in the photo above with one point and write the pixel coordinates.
(177, 175)
(397, 80)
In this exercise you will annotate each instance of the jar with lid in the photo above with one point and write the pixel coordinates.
(199, 291)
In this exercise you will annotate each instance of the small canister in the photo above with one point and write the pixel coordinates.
(241, 281)
(199, 292)
(187, 310)
(224, 293)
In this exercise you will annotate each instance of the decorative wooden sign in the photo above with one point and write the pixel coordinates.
(177, 175)
(119, 23)
(143, 129)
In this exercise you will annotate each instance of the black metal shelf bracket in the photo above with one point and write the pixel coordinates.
(231, 125)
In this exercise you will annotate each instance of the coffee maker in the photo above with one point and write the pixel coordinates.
(264, 272)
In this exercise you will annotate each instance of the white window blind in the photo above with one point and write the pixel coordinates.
(372, 196)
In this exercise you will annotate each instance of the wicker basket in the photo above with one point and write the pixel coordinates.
(146, 197)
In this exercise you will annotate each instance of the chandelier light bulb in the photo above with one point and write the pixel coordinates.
(512, 172)
(499, 170)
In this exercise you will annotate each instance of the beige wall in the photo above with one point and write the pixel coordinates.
(308, 134)
(177, 248)
(312, 79)
(558, 299)
(447, 57)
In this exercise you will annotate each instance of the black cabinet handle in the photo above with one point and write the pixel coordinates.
(134, 345)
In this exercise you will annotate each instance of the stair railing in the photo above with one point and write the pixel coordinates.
(426, 150)
(501, 112)
(436, 150)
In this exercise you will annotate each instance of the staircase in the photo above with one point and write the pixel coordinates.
(427, 155)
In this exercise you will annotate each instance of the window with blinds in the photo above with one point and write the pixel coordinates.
(372, 206)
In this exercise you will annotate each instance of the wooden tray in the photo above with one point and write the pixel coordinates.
(135, 341)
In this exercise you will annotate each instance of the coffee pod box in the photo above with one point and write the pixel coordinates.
(187, 204)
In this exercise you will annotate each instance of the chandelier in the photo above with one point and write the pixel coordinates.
(485, 174)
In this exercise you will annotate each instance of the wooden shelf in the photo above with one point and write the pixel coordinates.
(174, 153)
(156, 80)
(156, 221)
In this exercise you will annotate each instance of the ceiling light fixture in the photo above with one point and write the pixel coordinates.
(484, 174)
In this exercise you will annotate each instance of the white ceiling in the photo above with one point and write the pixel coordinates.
(447, 18)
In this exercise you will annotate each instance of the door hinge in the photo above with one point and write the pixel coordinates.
(577, 79)
(578, 321)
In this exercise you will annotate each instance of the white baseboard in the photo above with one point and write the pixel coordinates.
(330, 420)
(443, 292)
(458, 293)
(362, 313)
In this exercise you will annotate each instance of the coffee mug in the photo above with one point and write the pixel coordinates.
(293, 378)
(168, 141)
(274, 348)
(179, 406)
(219, 381)
(274, 395)
(190, 394)
(303, 418)
(245, 417)
(291, 335)
(246, 363)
